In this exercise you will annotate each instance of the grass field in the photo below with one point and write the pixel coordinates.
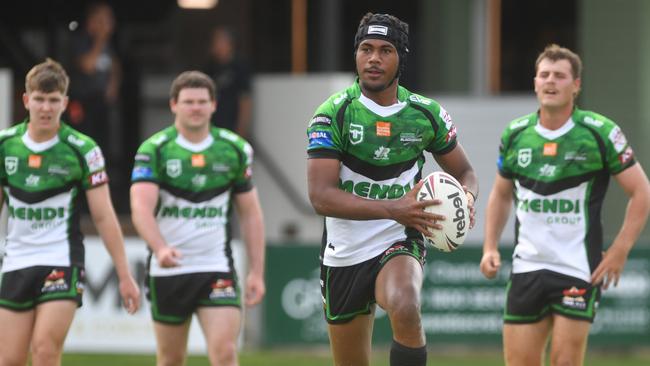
(322, 358)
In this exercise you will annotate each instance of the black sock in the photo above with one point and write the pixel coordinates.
(400, 355)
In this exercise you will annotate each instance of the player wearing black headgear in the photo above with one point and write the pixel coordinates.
(367, 146)
(386, 27)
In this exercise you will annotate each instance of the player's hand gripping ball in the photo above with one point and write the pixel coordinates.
(447, 189)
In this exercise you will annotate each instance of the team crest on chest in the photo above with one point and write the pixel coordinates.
(524, 157)
(174, 168)
(356, 133)
(11, 164)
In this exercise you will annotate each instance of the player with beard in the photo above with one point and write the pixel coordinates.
(366, 152)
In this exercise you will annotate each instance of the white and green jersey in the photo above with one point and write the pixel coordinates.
(41, 184)
(197, 182)
(381, 150)
(560, 178)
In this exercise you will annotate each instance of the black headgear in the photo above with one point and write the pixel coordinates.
(388, 28)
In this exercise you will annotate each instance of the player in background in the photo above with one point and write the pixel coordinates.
(186, 180)
(45, 167)
(366, 151)
(557, 162)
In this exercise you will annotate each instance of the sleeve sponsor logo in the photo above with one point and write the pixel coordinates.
(248, 173)
(141, 172)
(420, 99)
(145, 158)
(248, 150)
(76, 141)
(320, 120)
(95, 159)
(320, 139)
(98, 178)
(626, 156)
(449, 124)
(618, 139)
(594, 122)
(519, 124)
(451, 135)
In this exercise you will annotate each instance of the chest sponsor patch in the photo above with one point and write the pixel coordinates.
(198, 160)
(34, 161)
(383, 128)
(550, 149)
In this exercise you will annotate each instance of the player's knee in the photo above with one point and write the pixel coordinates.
(226, 352)
(405, 312)
(173, 358)
(45, 353)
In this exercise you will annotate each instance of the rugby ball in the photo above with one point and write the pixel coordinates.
(447, 189)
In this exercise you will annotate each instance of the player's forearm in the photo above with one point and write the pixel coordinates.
(496, 217)
(147, 227)
(111, 234)
(636, 217)
(252, 228)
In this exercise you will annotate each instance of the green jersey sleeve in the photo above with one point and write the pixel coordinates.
(93, 165)
(444, 139)
(324, 130)
(618, 152)
(145, 167)
(244, 174)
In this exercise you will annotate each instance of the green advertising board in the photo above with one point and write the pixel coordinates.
(458, 304)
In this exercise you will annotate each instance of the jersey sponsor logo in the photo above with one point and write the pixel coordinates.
(8, 132)
(451, 134)
(594, 122)
(145, 158)
(95, 159)
(34, 161)
(220, 168)
(176, 212)
(382, 128)
(174, 168)
(377, 29)
(550, 149)
(248, 173)
(228, 135)
(544, 205)
(54, 282)
(32, 180)
(374, 190)
(199, 180)
(57, 169)
(198, 160)
(320, 139)
(449, 124)
(320, 120)
(547, 170)
(98, 178)
(248, 150)
(32, 213)
(381, 153)
(420, 99)
(11, 164)
(159, 140)
(141, 172)
(626, 156)
(618, 139)
(356, 133)
(525, 157)
(223, 289)
(340, 98)
(76, 141)
(518, 124)
(575, 155)
(410, 137)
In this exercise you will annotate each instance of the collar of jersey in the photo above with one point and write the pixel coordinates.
(39, 146)
(553, 134)
(194, 147)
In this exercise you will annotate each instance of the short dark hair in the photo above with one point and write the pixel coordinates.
(554, 53)
(48, 76)
(192, 79)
